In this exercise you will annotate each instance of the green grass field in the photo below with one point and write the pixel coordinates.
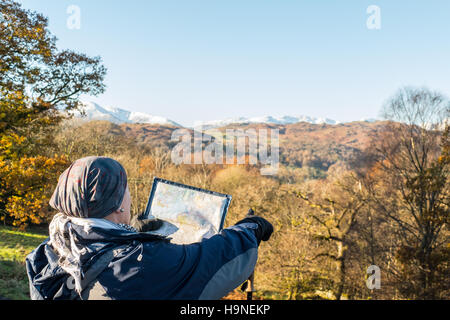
(14, 247)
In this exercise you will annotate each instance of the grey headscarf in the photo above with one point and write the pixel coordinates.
(91, 187)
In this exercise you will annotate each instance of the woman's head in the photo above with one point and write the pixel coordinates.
(92, 187)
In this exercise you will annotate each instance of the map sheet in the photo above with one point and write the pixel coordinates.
(189, 213)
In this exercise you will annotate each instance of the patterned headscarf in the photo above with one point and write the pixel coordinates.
(91, 187)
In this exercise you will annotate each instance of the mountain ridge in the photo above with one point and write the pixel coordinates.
(94, 111)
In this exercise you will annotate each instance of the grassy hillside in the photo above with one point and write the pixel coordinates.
(14, 247)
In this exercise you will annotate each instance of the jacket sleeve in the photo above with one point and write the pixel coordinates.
(237, 250)
(207, 270)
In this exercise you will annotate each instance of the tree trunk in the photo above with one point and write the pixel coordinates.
(340, 266)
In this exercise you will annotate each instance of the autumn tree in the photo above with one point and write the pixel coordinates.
(333, 213)
(409, 185)
(37, 82)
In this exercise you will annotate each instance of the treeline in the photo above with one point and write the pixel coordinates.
(387, 206)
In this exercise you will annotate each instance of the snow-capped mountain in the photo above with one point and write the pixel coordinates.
(369, 120)
(94, 111)
(266, 119)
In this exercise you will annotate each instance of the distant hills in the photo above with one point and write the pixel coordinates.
(302, 145)
(264, 119)
(93, 111)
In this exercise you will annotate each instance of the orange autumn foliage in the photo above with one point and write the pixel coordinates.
(26, 187)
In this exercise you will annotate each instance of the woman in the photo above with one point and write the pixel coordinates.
(94, 253)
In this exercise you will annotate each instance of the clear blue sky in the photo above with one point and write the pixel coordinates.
(191, 60)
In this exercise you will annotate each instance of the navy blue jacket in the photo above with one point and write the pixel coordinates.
(121, 264)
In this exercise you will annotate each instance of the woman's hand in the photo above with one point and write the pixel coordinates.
(141, 224)
(265, 228)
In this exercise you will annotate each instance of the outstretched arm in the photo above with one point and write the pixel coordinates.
(206, 270)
